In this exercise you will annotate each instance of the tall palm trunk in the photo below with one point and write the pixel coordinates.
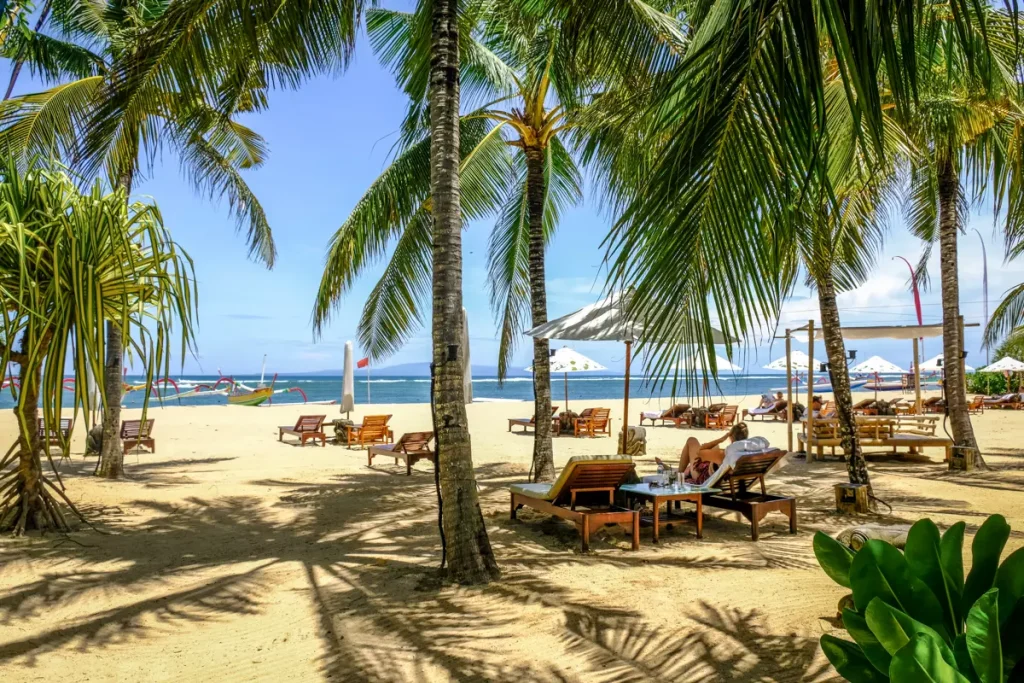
(470, 559)
(16, 71)
(952, 342)
(835, 349)
(543, 456)
(111, 463)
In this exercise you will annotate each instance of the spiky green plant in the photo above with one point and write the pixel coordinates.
(69, 263)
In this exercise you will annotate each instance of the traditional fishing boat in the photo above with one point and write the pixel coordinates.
(242, 395)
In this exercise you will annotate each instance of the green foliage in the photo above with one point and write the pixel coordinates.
(917, 618)
(988, 383)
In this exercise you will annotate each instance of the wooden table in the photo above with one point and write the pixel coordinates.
(669, 494)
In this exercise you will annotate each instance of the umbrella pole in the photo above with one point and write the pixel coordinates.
(810, 388)
(625, 405)
(789, 393)
(566, 392)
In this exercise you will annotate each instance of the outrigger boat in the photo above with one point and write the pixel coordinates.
(242, 395)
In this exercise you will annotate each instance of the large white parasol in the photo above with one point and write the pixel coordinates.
(566, 360)
(798, 359)
(724, 364)
(1005, 364)
(932, 365)
(348, 382)
(876, 365)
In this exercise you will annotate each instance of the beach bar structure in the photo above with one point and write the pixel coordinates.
(606, 320)
(914, 332)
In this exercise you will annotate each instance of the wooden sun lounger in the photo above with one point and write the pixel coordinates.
(374, 430)
(54, 438)
(865, 407)
(725, 418)
(531, 422)
(134, 434)
(738, 493)
(593, 421)
(411, 447)
(307, 427)
(776, 411)
(977, 405)
(1006, 401)
(587, 482)
(679, 414)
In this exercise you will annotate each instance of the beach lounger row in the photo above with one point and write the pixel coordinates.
(591, 422)
(718, 415)
(134, 433)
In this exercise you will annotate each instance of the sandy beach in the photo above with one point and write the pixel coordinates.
(230, 556)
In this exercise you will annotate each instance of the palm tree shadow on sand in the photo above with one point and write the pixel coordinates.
(365, 549)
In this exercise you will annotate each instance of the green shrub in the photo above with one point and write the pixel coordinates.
(989, 383)
(915, 617)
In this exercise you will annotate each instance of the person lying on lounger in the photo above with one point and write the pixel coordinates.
(699, 461)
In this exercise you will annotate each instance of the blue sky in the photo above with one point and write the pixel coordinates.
(330, 140)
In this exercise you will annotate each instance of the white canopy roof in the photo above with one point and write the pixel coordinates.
(798, 359)
(932, 365)
(606, 320)
(566, 360)
(1005, 364)
(879, 365)
(881, 332)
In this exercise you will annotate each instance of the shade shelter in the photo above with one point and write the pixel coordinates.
(348, 382)
(908, 332)
(565, 360)
(609, 319)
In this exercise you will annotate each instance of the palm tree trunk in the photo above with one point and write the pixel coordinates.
(952, 343)
(111, 463)
(470, 558)
(543, 456)
(835, 349)
(16, 71)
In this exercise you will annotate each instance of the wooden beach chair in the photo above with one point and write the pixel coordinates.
(587, 482)
(775, 411)
(1010, 401)
(743, 490)
(135, 433)
(934, 405)
(976, 406)
(374, 430)
(593, 421)
(411, 448)
(54, 437)
(865, 407)
(531, 422)
(724, 418)
(678, 414)
(307, 427)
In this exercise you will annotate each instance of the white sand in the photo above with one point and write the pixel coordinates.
(229, 556)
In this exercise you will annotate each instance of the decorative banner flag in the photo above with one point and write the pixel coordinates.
(363, 362)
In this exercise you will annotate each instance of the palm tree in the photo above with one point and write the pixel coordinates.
(69, 262)
(213, 148)
(967, 122)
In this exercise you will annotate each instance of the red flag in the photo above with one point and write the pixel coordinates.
(363, 362)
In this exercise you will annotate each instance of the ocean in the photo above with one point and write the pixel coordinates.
(295, 389)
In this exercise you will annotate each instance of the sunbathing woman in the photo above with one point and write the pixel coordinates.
(698, 461)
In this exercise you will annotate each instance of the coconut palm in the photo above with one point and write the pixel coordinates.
(213, 148)
(969, 128)
(68, 262)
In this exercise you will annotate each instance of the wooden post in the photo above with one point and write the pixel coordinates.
(625, 409)
(789, 392)
(851, 498)
(917, 377)
(810, 389)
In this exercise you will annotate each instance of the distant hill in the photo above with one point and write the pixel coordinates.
(414, 370)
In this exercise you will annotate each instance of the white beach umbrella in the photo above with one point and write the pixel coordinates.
(348, 382)
(565, 360)
(467, 374)
(724, 364)
(1005, 364)
(876, 365)
(932, 365)
(799, 360)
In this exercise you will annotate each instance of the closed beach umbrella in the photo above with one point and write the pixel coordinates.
(799, 361)
(348, 382)
(467, 373)
(1005, 364)
(565, 360)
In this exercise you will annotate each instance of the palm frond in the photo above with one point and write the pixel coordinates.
(49, 122)
(1008, 316)
(51, 59)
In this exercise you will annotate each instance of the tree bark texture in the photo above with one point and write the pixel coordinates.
(111, 463)
(470, 558)
(543, 455)
(952, 343)
(835, 349)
